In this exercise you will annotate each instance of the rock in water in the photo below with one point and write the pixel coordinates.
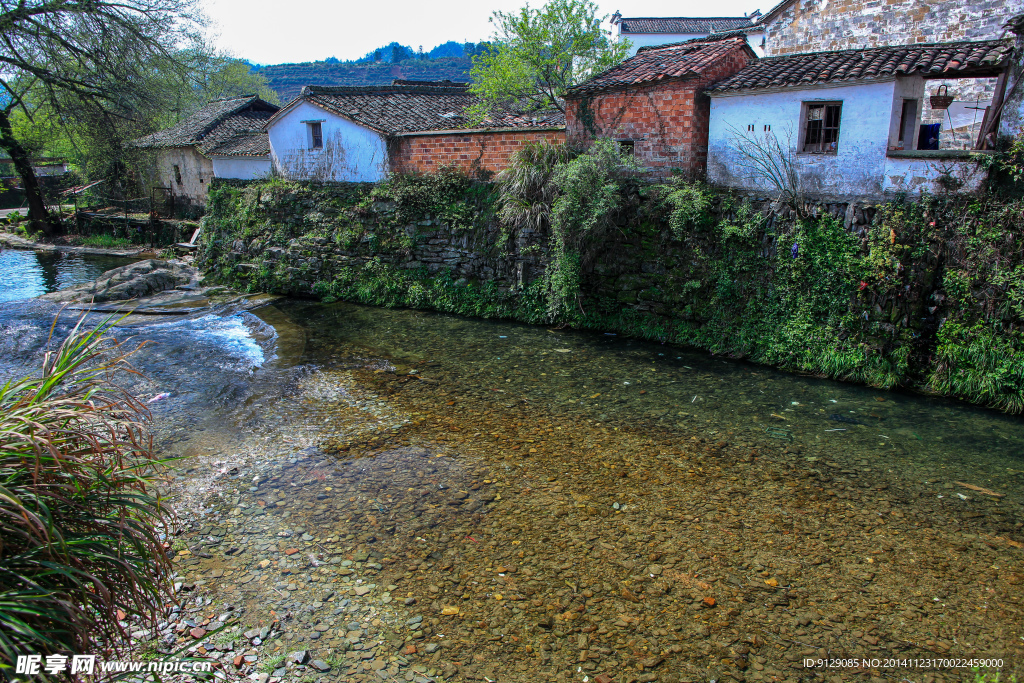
(133, 281)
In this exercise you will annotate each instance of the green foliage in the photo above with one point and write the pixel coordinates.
(929, 294)
(78, 520)
(589, 187)
(448, 195)
(980, 362)
(105, 242)
(537, 54)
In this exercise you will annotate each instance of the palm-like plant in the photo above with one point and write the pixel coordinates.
(79, 521)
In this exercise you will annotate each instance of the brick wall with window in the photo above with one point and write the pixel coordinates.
(485, 151)
(666, 123)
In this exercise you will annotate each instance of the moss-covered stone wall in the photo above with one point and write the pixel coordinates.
(926, 295)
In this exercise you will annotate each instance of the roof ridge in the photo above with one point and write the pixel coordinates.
(915, 46)
(421, 88)
(712, 38)
(679, 18)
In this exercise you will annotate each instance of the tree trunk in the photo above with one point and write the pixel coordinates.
(39, 217)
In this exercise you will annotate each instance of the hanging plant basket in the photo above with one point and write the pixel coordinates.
(941, 99)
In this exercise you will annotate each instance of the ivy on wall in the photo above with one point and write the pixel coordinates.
(926, 294)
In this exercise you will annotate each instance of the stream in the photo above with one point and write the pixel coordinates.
(411, 495)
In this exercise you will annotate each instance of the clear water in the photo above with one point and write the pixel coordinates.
(329, 421)
(25, 274)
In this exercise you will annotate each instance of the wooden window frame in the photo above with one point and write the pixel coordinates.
(316, 135)
(823, 144)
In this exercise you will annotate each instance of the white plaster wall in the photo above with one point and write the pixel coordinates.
(908, 88)
(640, 40)
(351, 153)
(857, 167)
(243, 168)
(196, 172)
(914, 176)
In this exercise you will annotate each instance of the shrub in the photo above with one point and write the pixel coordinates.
(79, 522)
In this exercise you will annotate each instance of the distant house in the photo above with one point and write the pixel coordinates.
(654, 104)
(654, 31)
(41, 166)
(849, 121)
(223, 139)
(361, 134)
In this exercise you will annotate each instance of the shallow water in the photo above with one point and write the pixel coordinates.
(427, 452)
(25, 274)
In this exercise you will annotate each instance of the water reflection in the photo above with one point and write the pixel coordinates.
(26, 274)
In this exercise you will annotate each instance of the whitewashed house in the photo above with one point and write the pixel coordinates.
(846, 122)
(361, 134)
(652, 31)
(223, 139)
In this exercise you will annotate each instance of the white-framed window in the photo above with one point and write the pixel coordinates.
(819, 127)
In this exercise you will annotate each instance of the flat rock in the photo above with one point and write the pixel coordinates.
(133, 281)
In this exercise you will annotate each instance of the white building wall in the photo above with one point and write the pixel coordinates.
(243, 168)
(350, 153)
(932, 174)
(194, 169)
(856, 169)
(639, 40)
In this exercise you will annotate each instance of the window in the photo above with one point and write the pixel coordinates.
(821, 127)
(316, 135)
(908, 124)
(627, 147)
(177, 174)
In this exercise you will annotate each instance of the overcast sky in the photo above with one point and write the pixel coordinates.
(271, 32)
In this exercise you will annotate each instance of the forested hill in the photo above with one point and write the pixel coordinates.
(287, 79)
(450, 61)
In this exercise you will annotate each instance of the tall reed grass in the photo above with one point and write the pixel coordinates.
(79, 520)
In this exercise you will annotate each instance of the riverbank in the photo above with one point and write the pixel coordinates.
(915, 295)
(12, 241)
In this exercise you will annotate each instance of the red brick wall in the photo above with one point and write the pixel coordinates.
(667, 121)
(471, 151)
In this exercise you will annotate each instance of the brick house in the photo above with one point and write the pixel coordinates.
(654, 103)
(360, 134)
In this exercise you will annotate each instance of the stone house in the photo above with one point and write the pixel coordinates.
(361, 134)
(654, 104)
(655, 31)
(847, 122)
(223, 139)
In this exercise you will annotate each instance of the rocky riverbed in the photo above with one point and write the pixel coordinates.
(395, 531)
(430, 500)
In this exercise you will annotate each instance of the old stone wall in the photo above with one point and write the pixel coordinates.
(666, 124)
(488, 152)
(882, 293)
(817, 25)
(195, 172)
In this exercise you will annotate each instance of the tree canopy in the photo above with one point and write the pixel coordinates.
(69, 57)
(537, 54)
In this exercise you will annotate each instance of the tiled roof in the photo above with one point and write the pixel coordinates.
(213, 124)
(682, 24)
(937, 60)
(247, 144)
(652, 64)
(417, 106)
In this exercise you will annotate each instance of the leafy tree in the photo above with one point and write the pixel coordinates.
(538, 54)
(88, 55)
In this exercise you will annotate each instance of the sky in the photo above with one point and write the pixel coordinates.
(266, 32)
